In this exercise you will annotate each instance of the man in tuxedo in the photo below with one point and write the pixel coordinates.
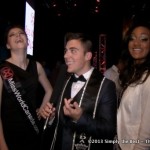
(84, 116)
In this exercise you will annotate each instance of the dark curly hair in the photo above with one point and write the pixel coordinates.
(133, 73)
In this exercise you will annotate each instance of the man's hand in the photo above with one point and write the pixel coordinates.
(72, 110)
(48, 111)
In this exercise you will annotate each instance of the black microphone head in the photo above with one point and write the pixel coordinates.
(59, 84)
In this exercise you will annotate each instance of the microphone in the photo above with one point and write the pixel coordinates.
(46, 122)
(56, 92)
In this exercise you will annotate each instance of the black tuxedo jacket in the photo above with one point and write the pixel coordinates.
(102, 128)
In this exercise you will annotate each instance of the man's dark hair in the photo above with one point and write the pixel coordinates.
(84, 38)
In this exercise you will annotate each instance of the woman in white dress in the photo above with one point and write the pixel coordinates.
(133, 118)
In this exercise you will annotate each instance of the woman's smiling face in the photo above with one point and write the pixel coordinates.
(139, 43)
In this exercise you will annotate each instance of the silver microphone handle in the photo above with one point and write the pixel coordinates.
(46, 122)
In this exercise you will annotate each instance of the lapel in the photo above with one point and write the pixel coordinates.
(67, 93)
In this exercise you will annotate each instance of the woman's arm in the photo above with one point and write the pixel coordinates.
(3, 145)
(144, 130)
(45, 84)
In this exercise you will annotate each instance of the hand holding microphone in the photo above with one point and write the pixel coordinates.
(48, 114)
(49, 109)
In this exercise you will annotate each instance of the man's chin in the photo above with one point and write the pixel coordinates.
(70, 70)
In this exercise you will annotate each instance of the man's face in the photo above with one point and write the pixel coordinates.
(76, 57)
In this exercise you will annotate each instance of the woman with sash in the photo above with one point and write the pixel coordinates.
(19, 79)
(84, 116)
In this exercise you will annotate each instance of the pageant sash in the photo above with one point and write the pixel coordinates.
(13, 86)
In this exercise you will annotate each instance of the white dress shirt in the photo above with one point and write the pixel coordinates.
(112, 73)
(76, 86)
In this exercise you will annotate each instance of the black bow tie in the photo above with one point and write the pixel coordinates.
(80, 78)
